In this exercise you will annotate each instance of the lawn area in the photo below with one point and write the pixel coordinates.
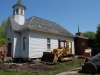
(51, 70)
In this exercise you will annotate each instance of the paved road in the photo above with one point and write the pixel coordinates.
(71, 72)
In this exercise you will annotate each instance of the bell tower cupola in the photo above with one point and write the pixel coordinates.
(19, 12)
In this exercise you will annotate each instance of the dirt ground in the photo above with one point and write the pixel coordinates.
(26, 67)
(34, 67)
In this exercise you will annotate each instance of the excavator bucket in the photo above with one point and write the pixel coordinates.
(49, 57)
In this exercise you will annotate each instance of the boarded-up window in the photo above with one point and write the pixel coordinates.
(48, 43)
(83, 43)
(24, 43)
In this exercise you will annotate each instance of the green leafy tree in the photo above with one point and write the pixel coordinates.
(89, 34)
(98, 34)
(2, 33)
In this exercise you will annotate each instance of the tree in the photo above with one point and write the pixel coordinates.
(98, 34)
(2, 33)
(89, 34)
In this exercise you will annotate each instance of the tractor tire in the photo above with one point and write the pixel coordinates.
(89, 67)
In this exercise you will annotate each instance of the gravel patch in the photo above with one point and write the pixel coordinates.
(71, 72)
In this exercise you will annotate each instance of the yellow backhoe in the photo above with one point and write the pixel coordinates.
(62, 53)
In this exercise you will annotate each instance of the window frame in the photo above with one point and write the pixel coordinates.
(48, 44)
(24, 43)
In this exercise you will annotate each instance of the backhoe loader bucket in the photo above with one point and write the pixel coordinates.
(49, 57)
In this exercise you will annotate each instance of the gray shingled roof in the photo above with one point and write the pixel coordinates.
(81, 37)
(15, 25)
(39, 24)
(19, 3)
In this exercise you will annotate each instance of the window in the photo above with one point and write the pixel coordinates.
(17, 10)
(48, 46)
(83, 43)
(68, 44)
(62, 44)
(48, 43)
(24, 43)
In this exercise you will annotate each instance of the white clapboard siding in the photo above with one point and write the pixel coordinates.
(25, 53)
(10, 35)
(36, 47)
(38, 43)
(54, 44)
(17, 45)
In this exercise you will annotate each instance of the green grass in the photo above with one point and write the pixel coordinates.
(58, 68)
(87, 74)
(14, 73)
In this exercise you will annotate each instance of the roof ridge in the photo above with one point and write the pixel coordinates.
(28, 18)
(82, 37)
(46, 20)
(30, 21)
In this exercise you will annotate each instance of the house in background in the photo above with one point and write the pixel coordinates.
(82, 43)
(31, 37)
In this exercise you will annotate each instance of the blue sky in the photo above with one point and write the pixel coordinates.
(67, 13)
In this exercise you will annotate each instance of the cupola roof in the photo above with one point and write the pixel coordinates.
(19, 3)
